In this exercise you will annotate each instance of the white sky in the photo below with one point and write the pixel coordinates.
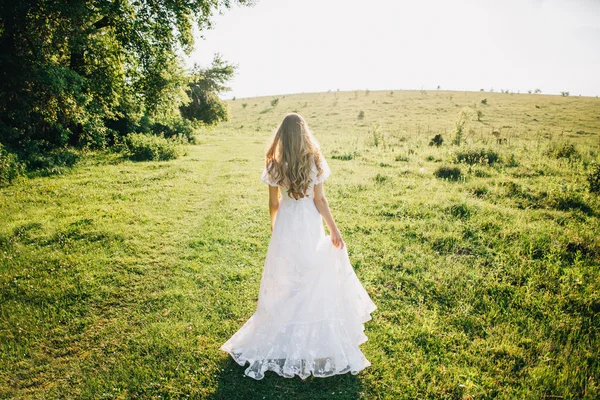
(292, 46)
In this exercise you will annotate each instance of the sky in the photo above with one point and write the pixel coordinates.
(285, 46)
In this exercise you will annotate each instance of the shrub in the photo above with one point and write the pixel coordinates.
(380, 178)
(377, 136)
(512, 161)
(569, 201)
(10, 167)
(274, 102)
(244, 105)
(344, 156)
(459, 128)
(436, 141)
(51, 161)
(180, 128)
(460, 210)
(402, 157)
(361, 115)
(141, 147)
(562, 150)
(594, 179)
(449, 173)
(480, 191)
(476, 156)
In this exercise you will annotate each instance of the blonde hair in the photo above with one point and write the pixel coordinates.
(290, 154)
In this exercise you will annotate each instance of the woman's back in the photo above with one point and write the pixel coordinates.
(311, 306)
(315, 180)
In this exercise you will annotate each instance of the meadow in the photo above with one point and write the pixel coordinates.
(121, 279)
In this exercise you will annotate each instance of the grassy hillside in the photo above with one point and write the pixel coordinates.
(121, 279)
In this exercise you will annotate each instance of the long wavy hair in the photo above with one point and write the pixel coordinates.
(290, 154)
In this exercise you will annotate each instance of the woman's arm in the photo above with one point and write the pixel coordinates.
(273, 203)
(323, 206)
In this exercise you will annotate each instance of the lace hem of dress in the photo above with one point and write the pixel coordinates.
(286, 360)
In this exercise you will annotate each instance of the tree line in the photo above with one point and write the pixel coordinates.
(82, 73)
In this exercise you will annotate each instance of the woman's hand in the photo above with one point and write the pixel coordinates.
(336, 239)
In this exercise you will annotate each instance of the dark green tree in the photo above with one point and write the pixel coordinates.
(204, 88)
(79, 72)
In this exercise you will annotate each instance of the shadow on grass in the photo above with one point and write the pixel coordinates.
(233, 384)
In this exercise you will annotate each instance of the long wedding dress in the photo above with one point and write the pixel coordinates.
(311, 306)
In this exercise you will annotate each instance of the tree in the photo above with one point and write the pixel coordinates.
(78, 72)
(204, 88)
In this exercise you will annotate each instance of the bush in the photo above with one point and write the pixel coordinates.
(476, 156)
(569, 201)
(562, 150)
(380, 178)
(480, 191)
(180, 128)
(460, 128)
(594, 179)
(361, 115)
(10, 167)
(449, 173)
(512, 161)
(51, 161)
(344, 156)
(436, 141)
(141, 147)
(460, 210)
(274, 102)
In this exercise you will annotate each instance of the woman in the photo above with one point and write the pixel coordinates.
(311, 306)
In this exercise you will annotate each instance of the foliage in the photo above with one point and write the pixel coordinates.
(361, 115)
(563, 150)
(204, 89)
(142, 147)
(10, 167)
(476, 156)
(377, 137)
(79, 74)
(447, 172)
(379, 178)
(594, 179)
(274, 102)
(437, 141)
(344, 156)
(51, 161)
(459, 128)
(174, 128)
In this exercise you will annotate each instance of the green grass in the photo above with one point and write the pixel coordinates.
(121, 279)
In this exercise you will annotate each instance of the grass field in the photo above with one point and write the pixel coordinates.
(121, 279)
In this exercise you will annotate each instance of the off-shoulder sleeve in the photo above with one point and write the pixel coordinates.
(325, 174)
(266, 176)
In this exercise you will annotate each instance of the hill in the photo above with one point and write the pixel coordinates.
(121, 279)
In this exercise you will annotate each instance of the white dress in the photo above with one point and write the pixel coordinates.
(311, 306)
